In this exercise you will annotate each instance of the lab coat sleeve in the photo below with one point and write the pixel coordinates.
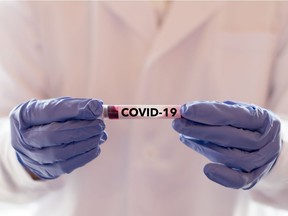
(273, 188)
(21, 78)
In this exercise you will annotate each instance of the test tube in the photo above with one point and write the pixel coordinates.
(141, 111)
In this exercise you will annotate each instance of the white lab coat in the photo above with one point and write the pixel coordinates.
(115, 51)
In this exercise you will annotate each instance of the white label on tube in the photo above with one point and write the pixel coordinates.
(148, 111)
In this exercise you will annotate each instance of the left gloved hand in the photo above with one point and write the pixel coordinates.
(243, 141)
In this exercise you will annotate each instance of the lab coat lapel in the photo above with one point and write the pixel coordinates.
(136, 14)
(183, 18)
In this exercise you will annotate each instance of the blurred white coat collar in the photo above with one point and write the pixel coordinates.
(182, 18)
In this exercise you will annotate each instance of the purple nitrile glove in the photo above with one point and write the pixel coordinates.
(242, 140)
(55, 136)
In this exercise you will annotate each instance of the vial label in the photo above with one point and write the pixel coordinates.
(142, 111)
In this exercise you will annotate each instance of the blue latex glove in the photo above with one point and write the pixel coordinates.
(242, 141)
(56, 136)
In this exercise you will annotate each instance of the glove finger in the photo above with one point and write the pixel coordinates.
(235, 178)
(103, 138)
(39, 112)
(226, 113)
(232, 157)
(60, 153)
(52, 171)
(225, 136)
(59, 133)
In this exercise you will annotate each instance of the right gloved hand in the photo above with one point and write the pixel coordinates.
(56, 136)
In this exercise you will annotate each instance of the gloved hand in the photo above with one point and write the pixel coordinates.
(242, 141)
(56, 136)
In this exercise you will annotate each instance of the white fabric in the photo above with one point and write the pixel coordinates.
(160, 7)
(114, 51)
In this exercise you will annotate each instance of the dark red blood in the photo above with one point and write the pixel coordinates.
(113, 112)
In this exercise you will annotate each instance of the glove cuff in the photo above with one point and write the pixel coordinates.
(16, 185)
(274, 186)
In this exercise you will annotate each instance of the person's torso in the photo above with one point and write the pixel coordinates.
(117, 53)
